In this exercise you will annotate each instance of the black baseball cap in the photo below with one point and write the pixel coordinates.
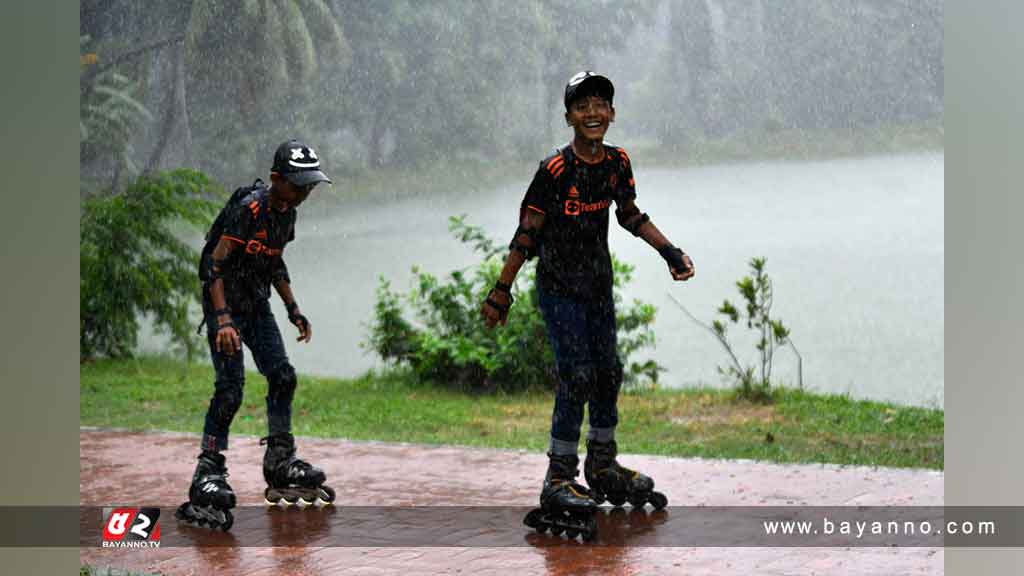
(587, 83)
(298, 163)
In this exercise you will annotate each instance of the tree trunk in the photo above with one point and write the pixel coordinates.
(175, 112)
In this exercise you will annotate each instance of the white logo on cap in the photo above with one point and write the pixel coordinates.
(297, 154)
(579, 77)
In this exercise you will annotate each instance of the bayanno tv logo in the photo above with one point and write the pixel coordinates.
(131, 528)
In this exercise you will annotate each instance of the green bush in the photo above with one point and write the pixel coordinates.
(133, 263)
(449, 343)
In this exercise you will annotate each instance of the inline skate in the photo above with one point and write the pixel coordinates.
(565, 506)
(610, 481)
(290, 480)
(210, 498)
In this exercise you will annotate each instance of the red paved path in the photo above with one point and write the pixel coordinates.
(155, 468)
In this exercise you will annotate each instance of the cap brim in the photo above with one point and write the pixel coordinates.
(306, 177)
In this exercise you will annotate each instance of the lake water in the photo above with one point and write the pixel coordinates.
(854, 248)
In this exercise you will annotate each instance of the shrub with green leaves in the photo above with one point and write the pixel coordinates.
(753, 382)
(447, 343)
(133, 263)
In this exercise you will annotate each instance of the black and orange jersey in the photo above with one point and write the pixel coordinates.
(576, 198)
(261, 233)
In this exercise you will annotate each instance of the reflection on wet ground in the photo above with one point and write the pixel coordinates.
(446, 510)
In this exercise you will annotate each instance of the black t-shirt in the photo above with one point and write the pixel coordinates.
(261, 233)
(575, 198)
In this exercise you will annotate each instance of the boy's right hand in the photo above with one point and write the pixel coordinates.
(227, 340)
(495, 308)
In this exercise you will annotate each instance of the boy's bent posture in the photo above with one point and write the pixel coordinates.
(242, 259)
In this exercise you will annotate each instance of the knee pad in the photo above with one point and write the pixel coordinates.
(579, 380)
(283, 381)
(227, 399)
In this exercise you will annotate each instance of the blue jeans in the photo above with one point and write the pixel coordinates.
(583, 336)
(260, 334)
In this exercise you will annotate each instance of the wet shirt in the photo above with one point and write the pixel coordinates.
(261, 233)
(576, 199)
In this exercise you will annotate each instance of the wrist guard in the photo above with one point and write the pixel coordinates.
(674, 257)
(502, 309)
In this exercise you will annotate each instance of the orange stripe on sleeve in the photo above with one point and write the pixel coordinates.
(233, 239)
(554, 164)
(535, 209)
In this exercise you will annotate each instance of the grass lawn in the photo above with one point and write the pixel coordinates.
(165, 394)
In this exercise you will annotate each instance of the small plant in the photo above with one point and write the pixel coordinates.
(753, 382)
(448, 342)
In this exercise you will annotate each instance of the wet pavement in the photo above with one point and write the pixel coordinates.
(407, 509)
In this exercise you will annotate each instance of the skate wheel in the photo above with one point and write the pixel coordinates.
(658, 500)
(269, 503)
(229, 520)
(617, 500)
(182, 512)
(571, 533)
(556, 529)
(637, 502)
(326, 496)
(533, 518)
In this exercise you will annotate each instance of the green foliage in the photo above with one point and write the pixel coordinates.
(752, 382)
(132, 263)
(109, 112)
(450, 344)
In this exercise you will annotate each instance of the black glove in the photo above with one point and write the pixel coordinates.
(674, 257)
(296, 318)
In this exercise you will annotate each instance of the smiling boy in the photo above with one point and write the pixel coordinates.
(564, 221)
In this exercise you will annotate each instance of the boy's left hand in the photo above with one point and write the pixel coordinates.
(679, 263)
(303, 324)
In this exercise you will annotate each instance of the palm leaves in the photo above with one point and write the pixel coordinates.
(261, 48)
(108, 110)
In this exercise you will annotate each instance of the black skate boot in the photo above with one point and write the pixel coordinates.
(565, 506)
(210, 498)
(291, 481)
(610, 481)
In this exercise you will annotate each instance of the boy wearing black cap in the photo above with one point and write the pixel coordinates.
(564, 220)
(242, 258)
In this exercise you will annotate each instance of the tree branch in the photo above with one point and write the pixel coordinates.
(735, 361)
(88, 77)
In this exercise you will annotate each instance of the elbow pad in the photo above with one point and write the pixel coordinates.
(631, 219)
(525, 242)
